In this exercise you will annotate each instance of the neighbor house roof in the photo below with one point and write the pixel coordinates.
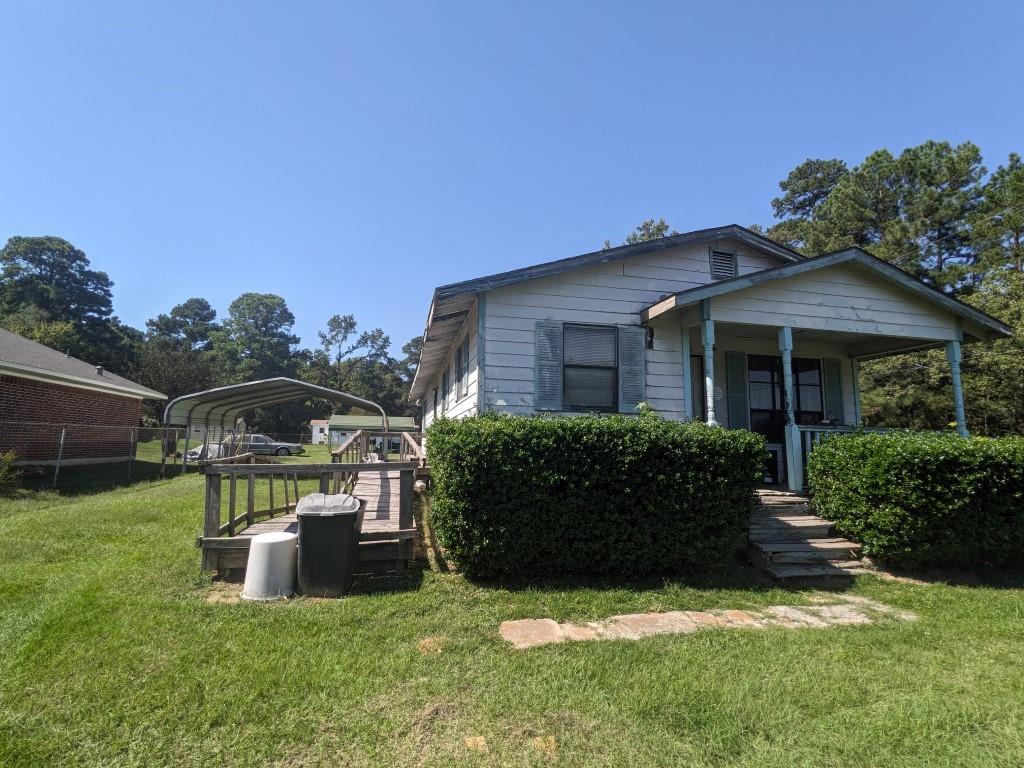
(350, 423)
(990, 325)
(452, 303)
(220, 407)
(29, 359)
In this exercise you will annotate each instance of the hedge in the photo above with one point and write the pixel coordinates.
(921, 499)
(520, 497)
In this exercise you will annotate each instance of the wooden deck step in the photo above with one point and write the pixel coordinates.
(790, 542)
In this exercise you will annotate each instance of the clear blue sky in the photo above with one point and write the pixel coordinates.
(352, 156)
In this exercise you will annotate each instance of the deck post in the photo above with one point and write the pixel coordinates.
(855, 372)
(953, 354)
(794, 450)
(687, 375)
(707, 326)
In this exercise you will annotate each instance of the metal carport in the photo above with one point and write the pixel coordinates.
(216, 408)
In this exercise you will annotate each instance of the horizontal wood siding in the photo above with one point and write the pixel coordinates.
(456, 407)
(609, 294)
(843, 298)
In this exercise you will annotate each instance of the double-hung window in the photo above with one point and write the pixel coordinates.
(589, 367)
(462, 369)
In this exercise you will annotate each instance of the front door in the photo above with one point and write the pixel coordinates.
(768, 406)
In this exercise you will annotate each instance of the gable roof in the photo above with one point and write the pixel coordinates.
(30, 359)
(452, 303)
(883, 269)
(348, 421)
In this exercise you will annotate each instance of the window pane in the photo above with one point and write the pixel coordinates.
(590, 388)
(807, 371)
(809, 398)
(589, 345)
(761, 396)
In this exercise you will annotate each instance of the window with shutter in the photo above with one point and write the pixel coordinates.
(723, 265)
(460, 382)
(444, 391)
(590, 367)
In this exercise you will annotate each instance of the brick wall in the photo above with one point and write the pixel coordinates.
(98, 424)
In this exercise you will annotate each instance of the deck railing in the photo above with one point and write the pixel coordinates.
(243, 478)
(360, 447)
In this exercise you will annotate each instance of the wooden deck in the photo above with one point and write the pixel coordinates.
(380, 491)
(386, 538)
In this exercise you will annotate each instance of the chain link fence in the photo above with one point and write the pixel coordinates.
(84, 457)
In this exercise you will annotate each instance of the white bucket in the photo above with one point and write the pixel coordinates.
(270, 572)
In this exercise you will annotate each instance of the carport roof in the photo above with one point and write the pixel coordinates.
(221, 406)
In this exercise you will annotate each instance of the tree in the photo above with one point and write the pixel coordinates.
(255, 341)
(189, 323)
(52, 275)
(647, 230)
(913, 210)
(998, 224)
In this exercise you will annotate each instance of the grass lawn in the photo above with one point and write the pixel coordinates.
(114, 654)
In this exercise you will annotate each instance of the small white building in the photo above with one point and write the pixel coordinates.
(318, 429)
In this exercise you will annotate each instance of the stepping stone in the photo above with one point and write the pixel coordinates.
(527, 633)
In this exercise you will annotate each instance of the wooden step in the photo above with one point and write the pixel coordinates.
(817, 530)
(803, 551)
(831, 570)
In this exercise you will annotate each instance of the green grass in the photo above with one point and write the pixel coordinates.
(111, 654)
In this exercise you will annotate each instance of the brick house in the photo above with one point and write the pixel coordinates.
(43, 391)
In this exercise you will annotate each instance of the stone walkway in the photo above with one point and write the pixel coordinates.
(829, 610)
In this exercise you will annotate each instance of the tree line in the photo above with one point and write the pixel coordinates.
(50, 293)
(935, 211)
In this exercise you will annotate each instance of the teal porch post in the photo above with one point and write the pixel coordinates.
(794, 452)
(687, 375)
(707, 326)
(855, 372)
(953, 355)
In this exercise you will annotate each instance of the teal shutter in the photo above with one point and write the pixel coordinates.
(632, 374)
(832, 375)
(736, 390)
(548, 396)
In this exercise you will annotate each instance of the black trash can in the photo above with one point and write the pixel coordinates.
(328, 540)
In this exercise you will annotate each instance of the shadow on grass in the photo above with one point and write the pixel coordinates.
(95, 478)
(992, 578)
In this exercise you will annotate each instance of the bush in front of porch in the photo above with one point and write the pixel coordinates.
(518, 497)
(924, 499)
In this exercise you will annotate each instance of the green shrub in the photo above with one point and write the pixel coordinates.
(519, 497)
(924, 499)
(9, 474)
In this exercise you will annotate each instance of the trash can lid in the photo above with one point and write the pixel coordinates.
(326, 505)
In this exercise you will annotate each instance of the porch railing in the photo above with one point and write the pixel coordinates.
(360, 447)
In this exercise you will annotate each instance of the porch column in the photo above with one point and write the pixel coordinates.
(855, 371)
(687, 375)
(794, 453)
(707, 327)
(953, 355)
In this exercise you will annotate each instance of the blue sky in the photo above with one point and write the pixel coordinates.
(352, 156)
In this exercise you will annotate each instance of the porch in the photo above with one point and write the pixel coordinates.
(778, 351)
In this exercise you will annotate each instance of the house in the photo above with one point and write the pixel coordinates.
(318, 431)
(45, 393)
(721, 325)
(343, 426)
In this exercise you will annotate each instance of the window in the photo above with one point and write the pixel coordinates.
(807, 383)
(723, 265)
(767, 404)
(435, 402)
(444, 390)
(697, 391)
(589, 367)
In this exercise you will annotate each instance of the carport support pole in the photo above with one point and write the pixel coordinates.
(794, 450)
(60, 454)
(188, 435)
(953, 354)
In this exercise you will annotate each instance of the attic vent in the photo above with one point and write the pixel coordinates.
(723, 265)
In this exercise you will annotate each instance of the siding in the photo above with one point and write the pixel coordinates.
(612, 294)
(466, 405)
(842, 298)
